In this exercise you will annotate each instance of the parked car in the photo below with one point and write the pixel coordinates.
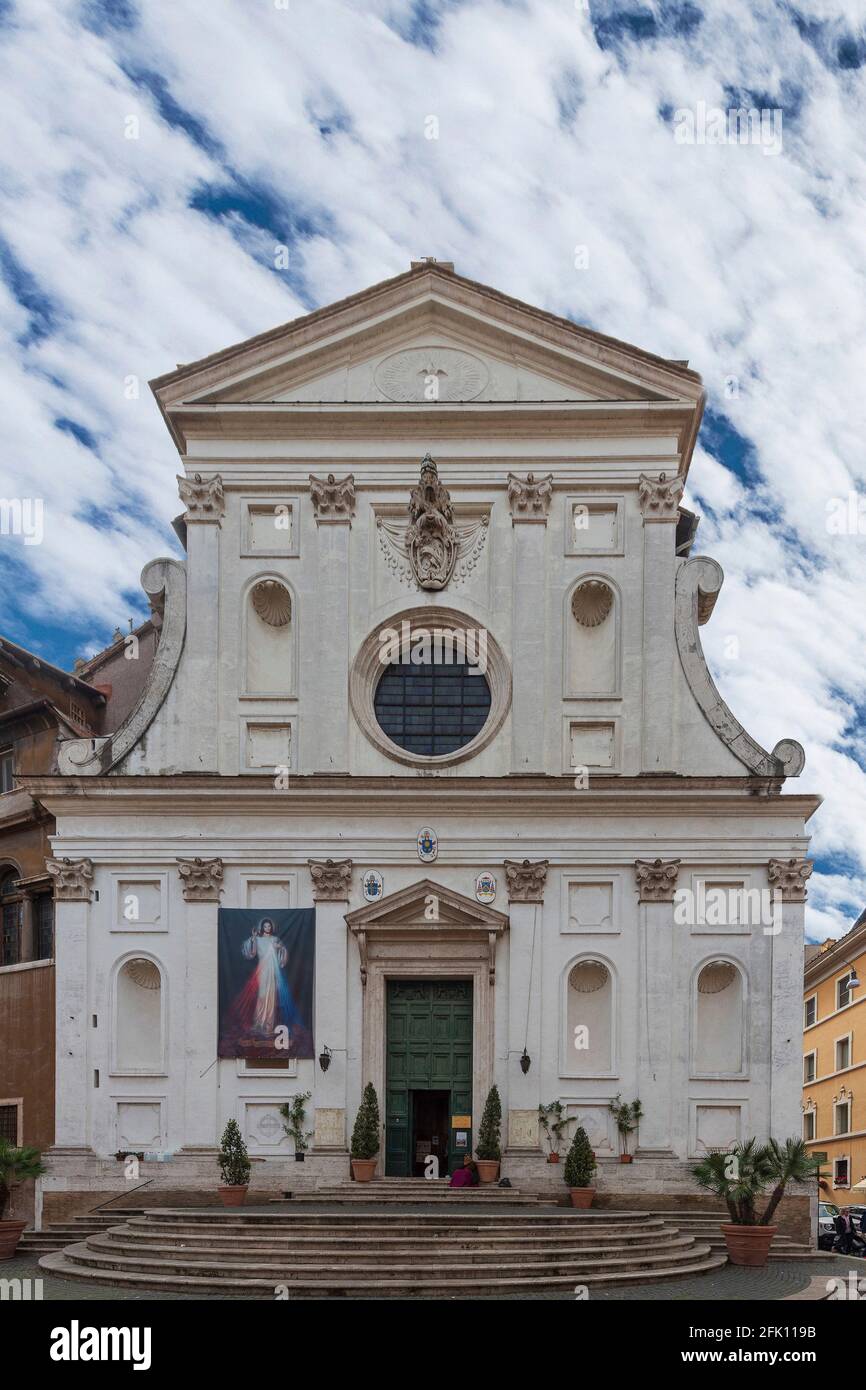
(827, 1214)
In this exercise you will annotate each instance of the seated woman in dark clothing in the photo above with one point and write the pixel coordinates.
(467, 1176)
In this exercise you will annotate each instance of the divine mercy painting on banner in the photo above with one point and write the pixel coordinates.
(266, 971)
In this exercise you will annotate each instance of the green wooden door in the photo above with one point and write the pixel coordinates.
(429, 1048)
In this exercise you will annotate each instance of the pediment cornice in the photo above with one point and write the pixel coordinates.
(589, 366)
(426, 906)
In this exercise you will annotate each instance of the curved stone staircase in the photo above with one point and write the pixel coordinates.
(304, 1253)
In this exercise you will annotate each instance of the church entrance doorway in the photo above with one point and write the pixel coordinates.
(428, 1075)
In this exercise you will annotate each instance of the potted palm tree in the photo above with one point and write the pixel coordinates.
(488, 1147)
(554, 1122)
(628, 1115)
(293, 1117)
(16, 1166)
(741, 1177)
(234, 1165)
(365, 1136)
(579, 1167)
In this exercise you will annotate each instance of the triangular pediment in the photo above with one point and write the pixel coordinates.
(429, 336)
(427, 906)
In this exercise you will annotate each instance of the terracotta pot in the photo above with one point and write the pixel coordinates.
(231, 1195)
(363, 1169)
(553, 1158)
(748, 1245)
(10, 1234)
(488, 1169)
(582, 1196)
(625, 1158)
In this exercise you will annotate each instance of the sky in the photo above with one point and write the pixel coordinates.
(178, 175)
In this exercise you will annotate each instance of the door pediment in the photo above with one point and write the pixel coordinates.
(427, 912)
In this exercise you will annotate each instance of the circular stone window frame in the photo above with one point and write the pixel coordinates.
(367, 670)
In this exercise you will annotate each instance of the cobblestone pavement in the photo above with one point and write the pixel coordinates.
(729, 1284)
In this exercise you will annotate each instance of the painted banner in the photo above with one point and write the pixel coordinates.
(266, 972)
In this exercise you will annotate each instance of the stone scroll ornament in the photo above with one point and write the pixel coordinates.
(73, 879)
(530, 497)
(656, 879)
(333, 498)
(202, 879)
(788, 877)
(332, 879)
(526, 880)
(433, 548)
(203, 497)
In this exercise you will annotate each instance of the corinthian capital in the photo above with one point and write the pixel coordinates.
(525, 881)
(529, 497)
(333, 499)
(332, 880)
(656, 879)
(202, 497)
(788, 877)
(73, 879)
(659, 497)
(202, 879)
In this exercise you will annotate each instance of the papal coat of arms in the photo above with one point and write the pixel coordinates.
(373, 886)
(428, 845)
(432, 546)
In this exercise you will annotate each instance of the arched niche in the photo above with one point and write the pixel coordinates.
(589, 1010)
(719, 998)
(592, 646)
(269, 637)
(138, 1016)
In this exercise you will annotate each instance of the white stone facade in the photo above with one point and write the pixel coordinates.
(608, 762)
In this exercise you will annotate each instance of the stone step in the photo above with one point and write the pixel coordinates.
(421, 1226)
(121, 1239)
(684, 1253)
(61, 1265)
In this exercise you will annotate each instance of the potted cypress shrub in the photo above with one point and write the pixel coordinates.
(741, 1177)
(488, 1147)
(579, 1167)
(234, 1165)
(16, 1166)
(365, 1136)
(293, 1117)
(628, 1115)
(553, 1121)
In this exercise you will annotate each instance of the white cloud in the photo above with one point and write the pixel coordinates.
(749, 265)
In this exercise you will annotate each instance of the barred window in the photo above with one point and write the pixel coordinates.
(9, 1123)
(10, 920)
(43, 926)
(433, 707)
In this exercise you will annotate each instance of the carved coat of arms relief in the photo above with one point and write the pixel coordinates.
(431, 548)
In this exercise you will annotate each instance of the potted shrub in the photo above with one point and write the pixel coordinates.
(234, 1165)
(554, 1122)
(628, 1115)
(488, 1147)
(741, 1177)
(365, 1136)
(579, 1167)
(293, 1117)
(16, 1166)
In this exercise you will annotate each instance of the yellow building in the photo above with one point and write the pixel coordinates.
(834, 1061)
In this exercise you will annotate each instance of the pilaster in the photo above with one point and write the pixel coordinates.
(656, 884)
(332, 882)
(73, 888)
(205, 507)
(530, 503)
(202, 886)
(659, 504)
(334, 506)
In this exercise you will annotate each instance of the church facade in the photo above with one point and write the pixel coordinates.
(431, 669)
